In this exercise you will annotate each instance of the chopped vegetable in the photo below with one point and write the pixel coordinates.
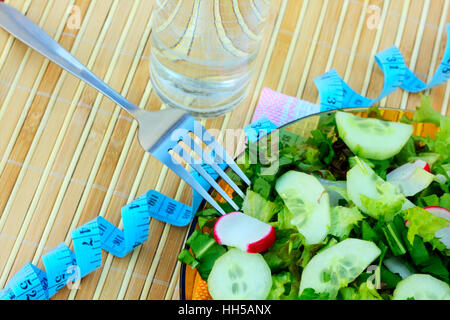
(238, 275)
(412, 177)
(423, 223)
(360, 209)
(343, 220)
(443, 234)
(284, 287)
(336, 267)
(422, 287)
(372, 138)
(258, 207)
(426, 113)
(373, 195)
(309, 204)
(244, 232)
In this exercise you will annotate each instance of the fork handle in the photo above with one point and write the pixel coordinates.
(29, 33)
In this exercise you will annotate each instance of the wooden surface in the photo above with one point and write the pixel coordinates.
(68, 155)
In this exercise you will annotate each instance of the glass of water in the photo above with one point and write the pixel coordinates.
(203, 52)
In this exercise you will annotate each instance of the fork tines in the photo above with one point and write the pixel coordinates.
(207, 163)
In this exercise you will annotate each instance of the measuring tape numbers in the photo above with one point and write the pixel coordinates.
(336, 94)
(64, 266)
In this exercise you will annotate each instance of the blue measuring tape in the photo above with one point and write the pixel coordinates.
(259, 128)
(64, 266)
(336, 94)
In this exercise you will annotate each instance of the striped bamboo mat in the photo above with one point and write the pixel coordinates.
(69, 155)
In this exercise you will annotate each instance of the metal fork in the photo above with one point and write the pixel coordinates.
(160, 132)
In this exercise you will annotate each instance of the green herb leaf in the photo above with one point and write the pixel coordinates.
(394, 239)
(436, 267)
(205, 250)
(310, 294)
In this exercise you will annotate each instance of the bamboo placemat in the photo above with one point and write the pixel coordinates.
(69, 155)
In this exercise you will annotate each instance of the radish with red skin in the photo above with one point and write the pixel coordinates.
(444, 234)
(426, 166)
(242, 231)
(412, 177)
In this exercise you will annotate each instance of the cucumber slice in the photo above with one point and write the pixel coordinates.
(364, 185)
(238, 275)
(422, 287)
(372, 138)
(337, 266)
(309, 204)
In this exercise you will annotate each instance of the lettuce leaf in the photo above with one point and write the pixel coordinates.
(284, 219)
(285, 252)
(389, 203)
(343, 220)
(368, 292)
(426, 114)
(443, 140)
(284, 287)
(423, 223)
(364, 292)
(439, 144)
(258, 207)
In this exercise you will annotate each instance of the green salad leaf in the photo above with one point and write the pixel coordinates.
(310, 294)
(439, 145)
(285, 252)
(205, 251)
(389, 203)
(366, 291)
(284, 287)
(324, 145)
(436, 267)
(426, 114)
(343, 220)
(398, 225)
(256, 206)
(284, 219)
(423, 223)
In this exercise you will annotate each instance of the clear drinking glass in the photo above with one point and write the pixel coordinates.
(203, 52)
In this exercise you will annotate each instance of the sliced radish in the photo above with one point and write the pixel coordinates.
(412, 177)
(444, 234)
(244, 232)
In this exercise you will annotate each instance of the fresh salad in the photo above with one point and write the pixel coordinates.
(357, 211)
